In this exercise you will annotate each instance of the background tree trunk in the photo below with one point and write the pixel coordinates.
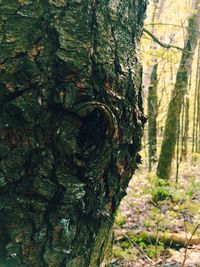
(150, 81)
(158, 6)
(70, 126)
(185, 123)
(152, 115)
(180, 88)
(195, 109)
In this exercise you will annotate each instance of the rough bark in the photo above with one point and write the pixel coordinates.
(179, 91)
(70, 127)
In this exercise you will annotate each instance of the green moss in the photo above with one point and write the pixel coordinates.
(120, 218)
(124, 254)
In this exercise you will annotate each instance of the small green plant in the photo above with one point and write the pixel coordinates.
(153, 251)
(160, 189)
(195, 158)
(151, 248)
(128, 254)
(120, 219)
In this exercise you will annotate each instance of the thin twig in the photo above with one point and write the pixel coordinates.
(166, 24)
(187, 244)
(134, 243)
(167, 46)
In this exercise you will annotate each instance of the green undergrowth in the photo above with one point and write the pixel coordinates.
(129, 254)
(120, 219)
(196, 158)
(141, 244)
(162, 191)
(170, 207)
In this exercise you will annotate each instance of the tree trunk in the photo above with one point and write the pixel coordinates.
(71, 123)
(152, 115)
(195, 108)
(158, 6)
(185, 125)
(151, 84)
(197, 137)
(174, 109)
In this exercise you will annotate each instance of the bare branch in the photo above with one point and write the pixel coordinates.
(167, 46)
(165, 24)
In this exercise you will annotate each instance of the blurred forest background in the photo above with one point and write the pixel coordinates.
(158, 223)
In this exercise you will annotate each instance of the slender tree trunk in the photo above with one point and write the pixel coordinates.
(185, 124)
(185, 136)
(174, 109)
(157, 12)
(152, 115)
(197, 150)
(71, 122)
(195, 98)
(151, 83)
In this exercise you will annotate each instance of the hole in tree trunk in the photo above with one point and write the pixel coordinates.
(93, 133)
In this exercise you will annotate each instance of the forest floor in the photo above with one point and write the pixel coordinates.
(164, 211)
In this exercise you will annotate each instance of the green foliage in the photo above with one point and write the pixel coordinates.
(120, 218)
(154, 251)
(170, 207)
(163, 190)
(160, 189)
(129, 254)
(196, 158)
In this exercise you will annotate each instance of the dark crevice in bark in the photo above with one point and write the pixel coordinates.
(92, 134)
(13, 96)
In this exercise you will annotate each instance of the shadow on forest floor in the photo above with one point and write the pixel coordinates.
(158, 223)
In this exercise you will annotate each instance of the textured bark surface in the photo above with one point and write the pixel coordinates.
(70, 127)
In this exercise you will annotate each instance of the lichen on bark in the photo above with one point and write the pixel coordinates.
(70, 127)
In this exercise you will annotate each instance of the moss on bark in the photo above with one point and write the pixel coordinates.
(70, 126)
